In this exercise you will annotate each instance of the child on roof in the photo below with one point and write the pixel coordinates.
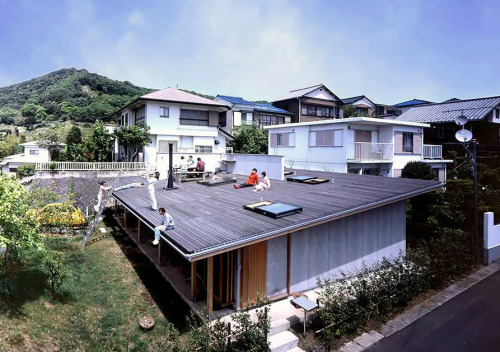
(253, 179)
(265, 183)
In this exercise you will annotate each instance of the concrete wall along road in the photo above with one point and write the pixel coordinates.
(340, 245)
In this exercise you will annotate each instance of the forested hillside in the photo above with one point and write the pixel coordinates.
(66, 94)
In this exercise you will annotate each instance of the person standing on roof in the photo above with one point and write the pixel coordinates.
(167, 223)
(103, 190)
(151, 189)
(253, 180)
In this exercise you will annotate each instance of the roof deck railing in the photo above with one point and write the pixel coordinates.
(366, 151)
(433, 151)
(90, 166)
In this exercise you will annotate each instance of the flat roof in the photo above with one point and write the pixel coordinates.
(361, 120)
(209, 220)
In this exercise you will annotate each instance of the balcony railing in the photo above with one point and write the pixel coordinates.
(365, 151)
(77, 166)
(433, 151)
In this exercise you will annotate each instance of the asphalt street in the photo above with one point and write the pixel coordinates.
(468, 322)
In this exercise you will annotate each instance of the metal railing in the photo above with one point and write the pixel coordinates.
(92, 166)
(433, 151)
(365, 151)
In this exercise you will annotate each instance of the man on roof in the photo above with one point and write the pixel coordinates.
(253, 180)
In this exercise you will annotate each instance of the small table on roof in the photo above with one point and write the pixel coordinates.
(307, 305)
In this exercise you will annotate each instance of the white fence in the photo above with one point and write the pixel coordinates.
(90, 166)
(433, 151)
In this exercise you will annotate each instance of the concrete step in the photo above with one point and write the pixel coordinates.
(280, 325)
(296, 349)
(283, 341)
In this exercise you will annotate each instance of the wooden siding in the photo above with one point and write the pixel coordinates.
(253, 280)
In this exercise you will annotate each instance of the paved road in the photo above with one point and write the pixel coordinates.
(467, 322)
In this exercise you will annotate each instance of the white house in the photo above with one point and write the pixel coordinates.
(189, 122)
(363, 105)
(359, 145)
(32, 154)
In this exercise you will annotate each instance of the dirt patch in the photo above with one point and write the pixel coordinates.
(48, 305)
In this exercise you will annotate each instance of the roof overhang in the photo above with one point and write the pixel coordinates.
(358, 120)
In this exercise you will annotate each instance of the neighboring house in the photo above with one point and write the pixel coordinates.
(363, 105)
(406, 105)
(311, 104)
(32, 154)
(245, 112)
(484, 123)
(221, 255)
(187, 121)
(359, 145)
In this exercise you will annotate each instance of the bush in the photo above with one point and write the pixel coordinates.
(26, 170)
(57, 272)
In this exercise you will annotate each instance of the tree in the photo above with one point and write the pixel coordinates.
(50, 139)
(73, 141)
(133, 138)
(350, 111)
(418, 170)
(249, 140)
(18, 229)
(100, 140)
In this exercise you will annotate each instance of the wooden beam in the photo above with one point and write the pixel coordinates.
(194, 288)
(139, 228)
(125, 218)
(159, 252)
(210, 284)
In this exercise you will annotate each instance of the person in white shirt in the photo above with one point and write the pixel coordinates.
(152, 179)
(167, 223)
(216, 177)
(263, 185)
(103, 190)
(184, 165)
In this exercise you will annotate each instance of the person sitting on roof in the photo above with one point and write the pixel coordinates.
(183, 167)
(167, 223)
(253, 180)
(200, 166)
(103, 189)
(216, 177)
(190, 161)
(265, 184)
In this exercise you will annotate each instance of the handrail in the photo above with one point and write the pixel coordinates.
(93, 166)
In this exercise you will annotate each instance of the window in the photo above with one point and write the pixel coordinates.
(194, 117)
(440, 132)
(311, 110)
(124, 121)
(246, 118)
(164, 112)
(140, 115)
(265, 120)
(326, 138)
(203, 149)
(286, 139)
(222, 119)
(34, 152)
(407, 142)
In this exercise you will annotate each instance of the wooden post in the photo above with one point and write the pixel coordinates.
(210, 284)
(125, 218)
(159, 252)
(194, 288)
(139, 227)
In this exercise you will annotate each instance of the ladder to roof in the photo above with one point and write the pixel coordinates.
(100, 210)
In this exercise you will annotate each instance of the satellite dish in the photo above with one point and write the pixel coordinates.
(463, 135)
(461, 120)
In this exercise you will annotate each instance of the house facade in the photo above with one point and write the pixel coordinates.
(360, 145)
(363, 105)
(189, 122)
(243, 112)
(32, 154)
(314, 103)
(483, 116)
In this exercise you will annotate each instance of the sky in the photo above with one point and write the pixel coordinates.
(390, 51)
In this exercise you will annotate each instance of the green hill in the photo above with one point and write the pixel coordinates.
(66, 94)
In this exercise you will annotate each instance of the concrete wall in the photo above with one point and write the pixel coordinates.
(244, 163)
(341, 245)
(491, 238)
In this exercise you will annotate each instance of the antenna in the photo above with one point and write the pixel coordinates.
(461, 119)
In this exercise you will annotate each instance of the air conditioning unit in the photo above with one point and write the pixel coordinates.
(216, 141)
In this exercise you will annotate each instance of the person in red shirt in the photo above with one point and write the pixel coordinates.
(253, 180)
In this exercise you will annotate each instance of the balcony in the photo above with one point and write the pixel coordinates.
(433, 151)
(366, 151)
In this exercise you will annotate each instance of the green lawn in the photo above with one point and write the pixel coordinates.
(98, 307)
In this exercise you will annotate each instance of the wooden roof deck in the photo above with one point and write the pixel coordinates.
(211, 219)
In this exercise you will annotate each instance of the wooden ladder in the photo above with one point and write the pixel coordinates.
(100, 210)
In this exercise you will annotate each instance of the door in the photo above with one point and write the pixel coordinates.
(253, 272)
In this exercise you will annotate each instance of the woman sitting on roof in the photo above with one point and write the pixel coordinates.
(265, 184)
(253, 180)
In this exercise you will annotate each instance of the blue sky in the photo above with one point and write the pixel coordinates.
(390, 51)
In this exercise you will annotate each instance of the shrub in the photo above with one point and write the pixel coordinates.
(26, 170)
(57, 272)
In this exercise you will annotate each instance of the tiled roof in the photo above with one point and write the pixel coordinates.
(256, 106)
(353, 99)
(474, 109)
(178, 96)
(298, 93)
(234, 100)
(412, 103)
